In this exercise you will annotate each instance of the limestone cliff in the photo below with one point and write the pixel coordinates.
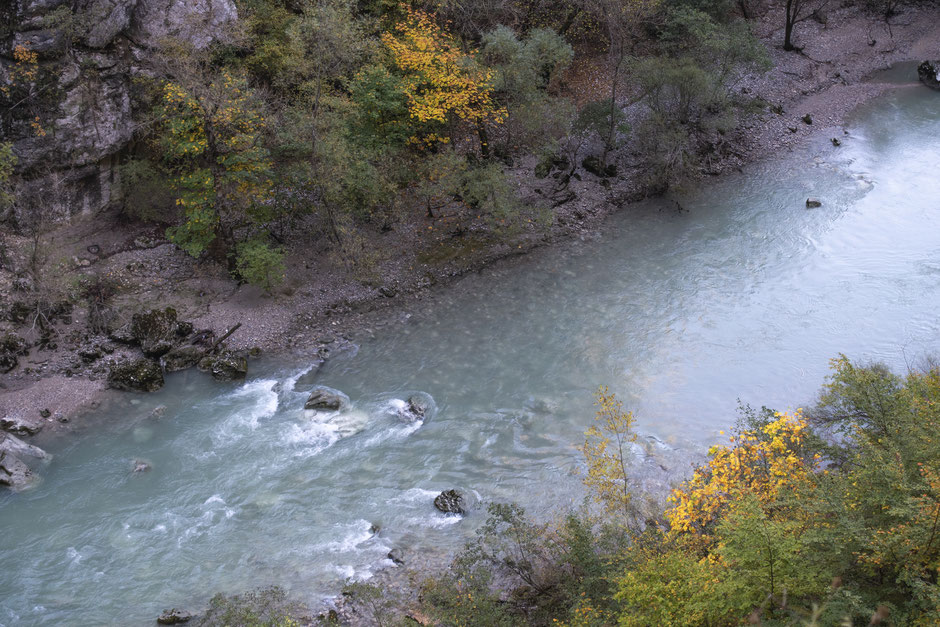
(71, 122)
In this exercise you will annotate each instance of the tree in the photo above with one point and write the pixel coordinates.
(210, 139)
(606, 450)
(795, 11)
(441, 83)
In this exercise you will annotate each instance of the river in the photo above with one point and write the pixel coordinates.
(746, 294)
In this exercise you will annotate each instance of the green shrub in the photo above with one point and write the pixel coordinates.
(261, 265)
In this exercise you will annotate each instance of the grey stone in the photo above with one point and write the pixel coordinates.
(195, 21)
(324, 398)
(21, 425)
(15, 446)
(13, 472)
(812, 203)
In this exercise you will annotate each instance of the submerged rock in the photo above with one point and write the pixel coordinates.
(14, 473)
(225, 366)
(929, 74)
(139, 375)
(449, 502)
(397, 556)
(174, 617)
(324, 398)
(812, 203)
(141, 465)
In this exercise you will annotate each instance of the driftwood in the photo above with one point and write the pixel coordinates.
(223, 338)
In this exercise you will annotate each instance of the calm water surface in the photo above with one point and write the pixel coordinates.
(746, 295)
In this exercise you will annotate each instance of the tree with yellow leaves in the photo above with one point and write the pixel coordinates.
(441, 83)
(606, 450)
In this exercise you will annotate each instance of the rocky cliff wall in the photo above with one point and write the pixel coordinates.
(72, 120)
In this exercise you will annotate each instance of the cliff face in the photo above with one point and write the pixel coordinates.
(69, 125)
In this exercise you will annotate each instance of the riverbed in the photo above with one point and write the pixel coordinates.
(744, 294)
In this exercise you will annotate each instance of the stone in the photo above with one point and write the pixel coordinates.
(807, 119)
(449, 502)
(138, 375)
(225, 366)
(181, 358)
(12, 347)
(14, 473)
(45, 413)
(397, 556)
(15, 446)
(812, 203)
(141, 466)
(123, 335)
(929, 74)
(836, 141)
(324, 398)
(21, 425)
(155, 330)
(174, 617)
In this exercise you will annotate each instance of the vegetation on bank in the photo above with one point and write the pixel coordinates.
(828, 517)
(331, 120)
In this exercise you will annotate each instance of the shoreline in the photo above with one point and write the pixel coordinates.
(827, 80)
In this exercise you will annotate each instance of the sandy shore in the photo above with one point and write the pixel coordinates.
(322, 301)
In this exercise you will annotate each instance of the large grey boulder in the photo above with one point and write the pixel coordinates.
(20, 424)
(107, 19)
(137, 375)
(15, 446)
(13, 472)
(326, 399)
(929, 74)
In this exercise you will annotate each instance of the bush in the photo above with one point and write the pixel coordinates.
(260, 265)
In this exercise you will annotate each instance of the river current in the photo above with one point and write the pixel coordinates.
(746, 295)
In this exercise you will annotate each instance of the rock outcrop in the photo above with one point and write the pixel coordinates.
(929, 73)
(13, 472)
(89, 52)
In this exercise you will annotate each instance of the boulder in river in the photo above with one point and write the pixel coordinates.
(141, 466)
(449, 502)
(225, 366)
(139, 375)
(397, 556)
(14, 473)
(328, 399)
(812, 203)
(929, 73)
(174, 617)
(15, 446)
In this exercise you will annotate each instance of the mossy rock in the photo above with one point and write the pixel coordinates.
(155, 330)
(138, 375)
(225, 366)
(182, 357)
